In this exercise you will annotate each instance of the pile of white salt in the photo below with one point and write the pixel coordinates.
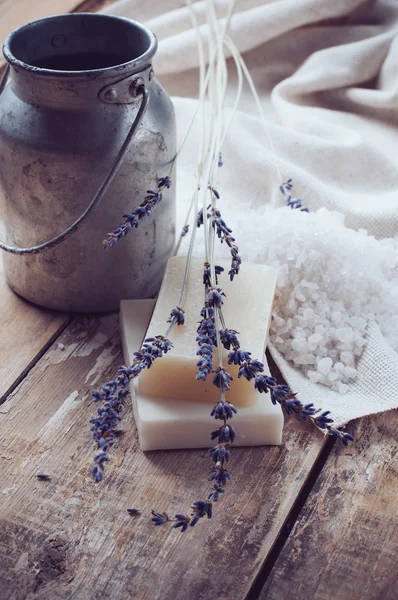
(332, 281)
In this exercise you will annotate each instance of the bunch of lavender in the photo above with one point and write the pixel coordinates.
(208, 339)
(293, 203)
(137, 214)
(224, 435)
(210, 336)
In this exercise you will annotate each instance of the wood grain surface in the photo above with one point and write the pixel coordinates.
(345, 542)
(308, 520)
(71, 538)
(25, 331)
(14, 13)
(92, 5)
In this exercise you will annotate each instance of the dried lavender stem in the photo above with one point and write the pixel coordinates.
(250, 81)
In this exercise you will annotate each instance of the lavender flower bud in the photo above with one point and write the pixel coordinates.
(222, 379)
(250, 368)
(202, 508)
(181, 521)
(214, 297)
(229, 338)
(177, 314)
(223, 410)
(159, 518)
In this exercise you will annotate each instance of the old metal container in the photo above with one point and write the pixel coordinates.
(85, 130)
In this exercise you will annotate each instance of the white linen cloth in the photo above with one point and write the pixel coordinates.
(327, 75)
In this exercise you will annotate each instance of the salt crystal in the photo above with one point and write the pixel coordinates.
(345, 347)
(324, 365)
(300, 345)
(345, 334)
(314, 376)
(314, 255)
(283, 329)
(350, 372)
(347, 358)
(278, 320)
(304, 359)
(315, 338)
(291, 306)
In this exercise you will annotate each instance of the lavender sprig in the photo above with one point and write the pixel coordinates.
(286, 186)
(199, 219)
(280, 393)
(223, 410)
(206, 339)
(113, 394)
(137, 214)
(207, 276)
(293, 203)
(200, 509)
(283, 395)
(224, 234)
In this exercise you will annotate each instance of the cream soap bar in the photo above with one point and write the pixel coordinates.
(247, 309)
(169, 423)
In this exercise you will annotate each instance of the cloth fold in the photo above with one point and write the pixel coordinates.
(327, 74)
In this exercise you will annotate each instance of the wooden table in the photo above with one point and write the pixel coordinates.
(306, 520)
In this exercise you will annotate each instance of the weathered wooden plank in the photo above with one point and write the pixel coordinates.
(345, 542)
(14, 14)
(71, 538)
(25, 330)
(92, 5)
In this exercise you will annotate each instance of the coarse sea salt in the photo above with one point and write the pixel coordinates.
(332, 281)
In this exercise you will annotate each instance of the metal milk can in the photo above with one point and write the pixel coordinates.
(85, 131)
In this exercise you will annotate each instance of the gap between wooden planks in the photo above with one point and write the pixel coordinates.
(345, 541)
(26, 332)
(71, 538)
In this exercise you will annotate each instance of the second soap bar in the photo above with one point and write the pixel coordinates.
(246, 309)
